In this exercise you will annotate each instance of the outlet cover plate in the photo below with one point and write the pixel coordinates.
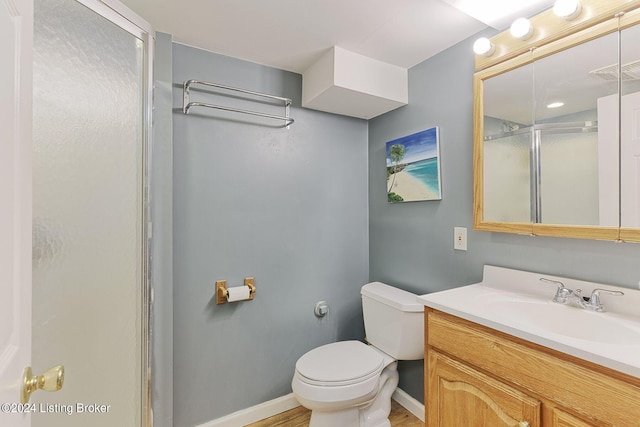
(460, 238)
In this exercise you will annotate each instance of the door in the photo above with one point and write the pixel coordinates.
(15, 204)
(561, 418)
(90, 96)
(608, 161)
(630, 161)
(459, 396)
(619, 166)
(74, 310)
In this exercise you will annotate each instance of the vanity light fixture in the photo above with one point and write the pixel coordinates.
(555, 105)
(567, 9)
(484, 47)
(521, 29)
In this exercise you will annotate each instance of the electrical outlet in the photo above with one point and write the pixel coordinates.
(460, 238)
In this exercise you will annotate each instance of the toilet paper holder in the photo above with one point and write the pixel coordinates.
(222, 293)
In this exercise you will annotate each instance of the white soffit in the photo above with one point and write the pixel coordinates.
(350, 84)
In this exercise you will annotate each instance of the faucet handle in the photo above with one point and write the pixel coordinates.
(594, 301)
(555, 282)
(562, 293)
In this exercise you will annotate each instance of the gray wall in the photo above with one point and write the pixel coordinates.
(286, 206)
(411, 244)
(162, 241)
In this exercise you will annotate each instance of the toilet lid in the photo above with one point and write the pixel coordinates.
(340, 362)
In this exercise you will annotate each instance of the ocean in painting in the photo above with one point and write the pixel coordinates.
(413, 167)
(427, 172)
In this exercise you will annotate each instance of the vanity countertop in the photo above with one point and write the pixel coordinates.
(518, 303)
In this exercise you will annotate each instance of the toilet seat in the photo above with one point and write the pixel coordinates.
(339, 364)
(345, 373)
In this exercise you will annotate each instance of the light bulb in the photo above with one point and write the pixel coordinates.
(483, 46)
(521, 29)
(567, 9)
(555, 105)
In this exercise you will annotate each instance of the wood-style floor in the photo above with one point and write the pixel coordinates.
(299, 417)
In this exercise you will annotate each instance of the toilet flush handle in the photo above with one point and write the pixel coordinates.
(321, 309)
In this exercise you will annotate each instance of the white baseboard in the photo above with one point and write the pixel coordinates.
(255, 413)
(409, 403)
(284, 403)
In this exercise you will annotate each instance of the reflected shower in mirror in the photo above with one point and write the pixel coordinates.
(507, 142)
(546, 159)
(574, 90)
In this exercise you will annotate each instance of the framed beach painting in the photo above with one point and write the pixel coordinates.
(413, 167)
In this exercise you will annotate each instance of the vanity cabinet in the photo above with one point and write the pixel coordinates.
(477, 376)
(464, 394)
(562, 419)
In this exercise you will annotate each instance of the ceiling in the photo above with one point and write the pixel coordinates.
(292, 34)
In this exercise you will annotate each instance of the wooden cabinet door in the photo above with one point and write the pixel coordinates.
(459, 396)
(563, 419)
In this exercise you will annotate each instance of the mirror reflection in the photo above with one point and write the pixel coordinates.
(550, 150)
(508, 115)
(574, 89)
(630, 128)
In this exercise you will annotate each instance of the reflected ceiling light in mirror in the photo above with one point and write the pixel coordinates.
(555, 105)
(484, 47)
(567, 9)
(521, 29)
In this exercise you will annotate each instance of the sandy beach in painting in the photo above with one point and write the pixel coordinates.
(411, 188)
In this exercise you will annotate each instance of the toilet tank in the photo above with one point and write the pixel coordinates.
(393, 321)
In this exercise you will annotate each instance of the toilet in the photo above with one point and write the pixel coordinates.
(350, 383)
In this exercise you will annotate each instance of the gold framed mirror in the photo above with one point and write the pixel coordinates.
(557, 132)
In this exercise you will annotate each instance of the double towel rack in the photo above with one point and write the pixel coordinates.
(187, 104)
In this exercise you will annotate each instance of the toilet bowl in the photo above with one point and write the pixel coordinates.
(350, 383)
(339, 382)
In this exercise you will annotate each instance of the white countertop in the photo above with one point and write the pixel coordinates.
(518, 303)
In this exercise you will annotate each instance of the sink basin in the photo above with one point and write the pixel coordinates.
(517, 303)
(567, 321)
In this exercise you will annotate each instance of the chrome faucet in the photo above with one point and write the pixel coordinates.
(594, 301)
(565, 295)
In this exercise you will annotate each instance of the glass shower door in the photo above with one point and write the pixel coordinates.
(89, 245)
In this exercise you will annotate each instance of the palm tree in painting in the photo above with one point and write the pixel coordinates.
(396, 154)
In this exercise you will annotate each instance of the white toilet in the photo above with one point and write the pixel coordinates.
(349, 383)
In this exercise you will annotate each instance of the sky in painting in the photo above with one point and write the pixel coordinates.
(419, 146)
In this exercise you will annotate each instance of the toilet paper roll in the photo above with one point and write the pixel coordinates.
(239, 293)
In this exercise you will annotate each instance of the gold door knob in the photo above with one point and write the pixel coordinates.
(51, 380)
